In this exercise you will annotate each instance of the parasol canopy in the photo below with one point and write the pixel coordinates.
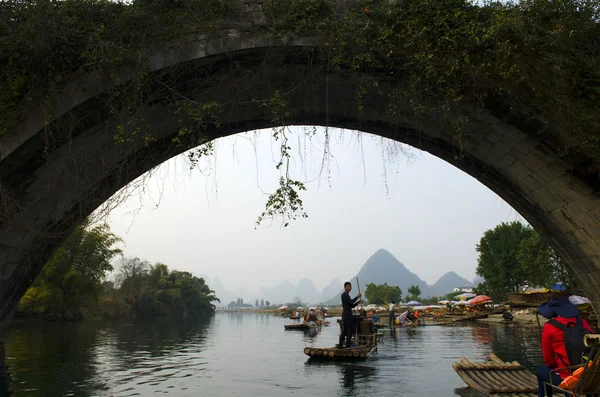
(480, 300)
(465, 296)
(413, 303)
(461, 303)
(283, 307)
(443, 302)
(579, 300)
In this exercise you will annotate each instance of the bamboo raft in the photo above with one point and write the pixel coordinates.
(497, 378)
(477, 315)
(354, 353)
(436, 322)
(305, 326)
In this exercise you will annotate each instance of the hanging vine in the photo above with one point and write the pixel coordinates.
(285, 202)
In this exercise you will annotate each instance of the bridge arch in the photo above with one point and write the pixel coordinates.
(66, 156)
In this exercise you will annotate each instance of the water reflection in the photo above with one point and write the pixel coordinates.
(77, 359)
(354, 378)
(241, 354)
(353, 373)
(519, 344)
(53, 359)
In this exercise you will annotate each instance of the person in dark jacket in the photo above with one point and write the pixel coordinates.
(349, 324)
(554, 351)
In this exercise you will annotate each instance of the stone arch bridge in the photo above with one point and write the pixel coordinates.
(47, 189)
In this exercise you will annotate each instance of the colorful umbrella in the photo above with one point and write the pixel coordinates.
(579, 300)
(413, 303)
(480, 300)
(443, 302)
(283, 307)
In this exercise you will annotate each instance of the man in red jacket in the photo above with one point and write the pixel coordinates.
(553, 342)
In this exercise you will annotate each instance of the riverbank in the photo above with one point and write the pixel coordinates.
(527, 319)
(332, 312)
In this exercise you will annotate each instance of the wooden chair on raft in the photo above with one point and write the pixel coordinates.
(585, 378)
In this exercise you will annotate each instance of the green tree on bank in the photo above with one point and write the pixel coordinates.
(69, 285)
(414, 292)
(513, 255)
(382, 293)
(72, 284)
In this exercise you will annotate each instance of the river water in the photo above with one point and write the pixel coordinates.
(242, 354)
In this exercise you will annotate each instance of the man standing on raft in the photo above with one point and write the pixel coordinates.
(347, 304)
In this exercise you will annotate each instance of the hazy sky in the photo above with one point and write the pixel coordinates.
(424, 211)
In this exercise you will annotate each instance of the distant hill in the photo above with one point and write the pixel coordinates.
(281, 293)
(447, 283)
(306, 291)
(224, 295)
(383, 267)
(477, 280)
(331, 289)
(380, 268)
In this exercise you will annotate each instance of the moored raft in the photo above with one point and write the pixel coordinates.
(497, 378)
(305, 326)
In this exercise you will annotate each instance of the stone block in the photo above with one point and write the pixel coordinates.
(596, 262)
(583, 236)
(519, 171)
(535, 161)
(583, 220)
(561, 183)
(576, 237)
(570, 195)
(595, 215)
(564, 222)
(579, 268)
(548, 201)
(544, 176)
(530, 185)
(501, 149)
(589, 250)
(594, 231)
(482, 149)
(578, 207)
(505, 161)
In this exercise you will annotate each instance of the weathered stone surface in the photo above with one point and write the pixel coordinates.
(54, 190)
